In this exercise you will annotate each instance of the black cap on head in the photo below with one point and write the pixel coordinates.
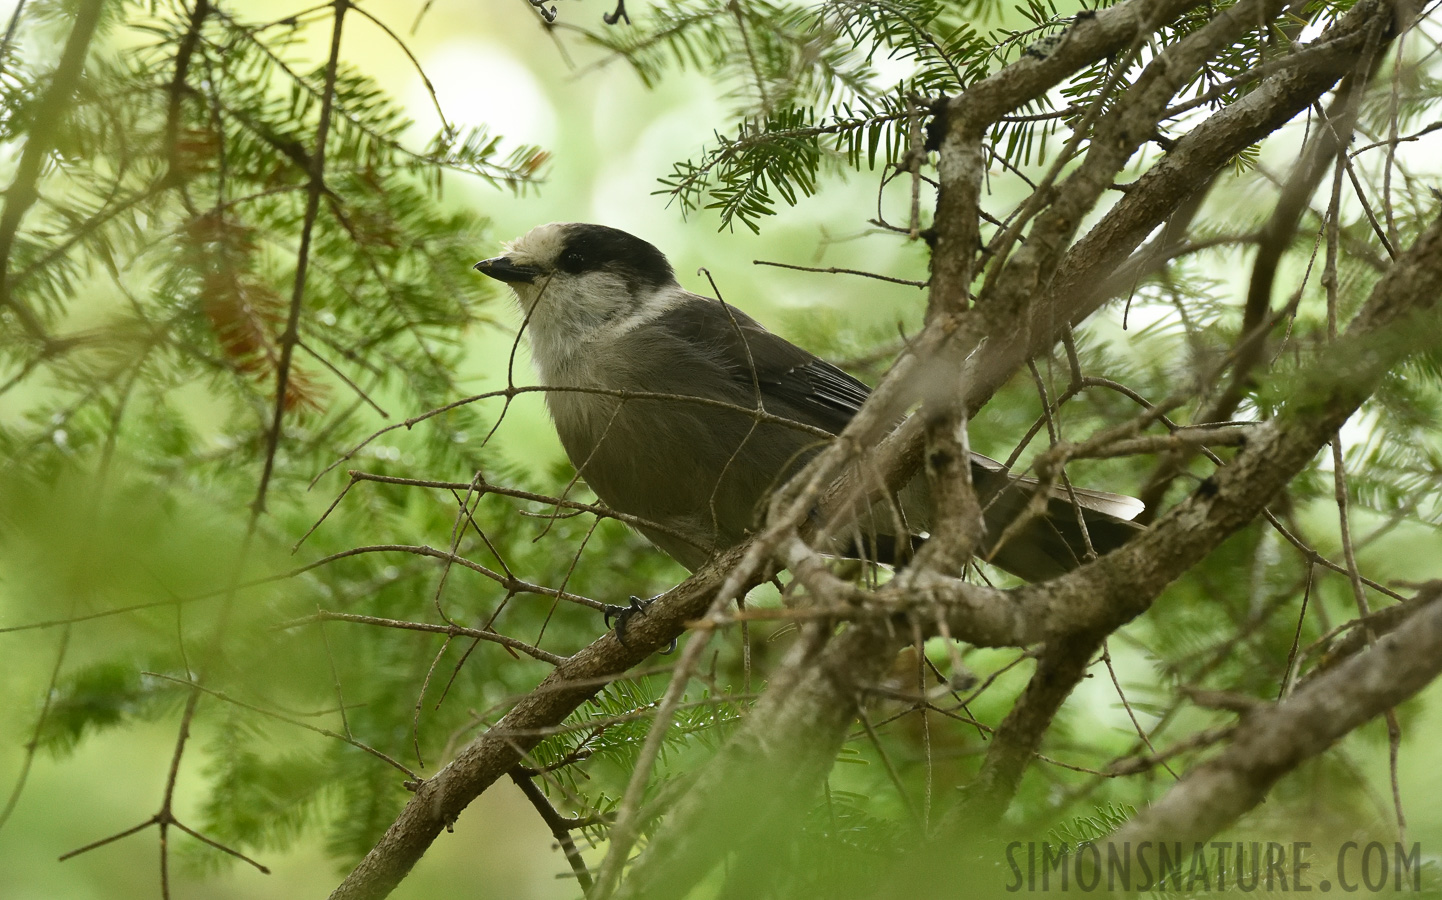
(595, 247)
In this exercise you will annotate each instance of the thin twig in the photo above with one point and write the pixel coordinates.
(448, 630)
(560, 826)
(291, 336)
(833, 270)
(289, 720)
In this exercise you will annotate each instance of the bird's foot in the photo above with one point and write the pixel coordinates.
(622, 616)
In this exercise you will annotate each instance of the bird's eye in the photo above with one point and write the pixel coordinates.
(572, 261)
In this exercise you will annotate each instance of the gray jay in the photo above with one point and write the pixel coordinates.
(603, 310)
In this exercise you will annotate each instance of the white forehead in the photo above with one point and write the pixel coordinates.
(544, 242)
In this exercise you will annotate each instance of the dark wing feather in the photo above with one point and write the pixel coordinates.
(804, 388)
(793, 383)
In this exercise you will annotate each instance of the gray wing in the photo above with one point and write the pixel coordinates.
(799, 386)
(794, 384)
(803, 387)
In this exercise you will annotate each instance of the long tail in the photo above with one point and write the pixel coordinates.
(1050, 544)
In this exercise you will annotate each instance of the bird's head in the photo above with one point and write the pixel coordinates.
(577, 282)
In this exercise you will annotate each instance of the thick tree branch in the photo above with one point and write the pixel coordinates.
(1059, 668)
(756, 790)
(1274, 239)
(439, 800)
(1097, 267)
(788, 743)
(1072, 613)
(970, 114)
(1011, 288)
(1272, 741)
(1398, 318)
(1197, 156)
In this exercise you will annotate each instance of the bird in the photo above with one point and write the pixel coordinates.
(652, 390)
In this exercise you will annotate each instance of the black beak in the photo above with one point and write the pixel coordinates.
(502, 269)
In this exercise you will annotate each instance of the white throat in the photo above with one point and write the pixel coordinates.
(570, 315)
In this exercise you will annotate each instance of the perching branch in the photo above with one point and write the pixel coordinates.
(440, 799)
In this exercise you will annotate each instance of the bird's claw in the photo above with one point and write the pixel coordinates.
(622, 616)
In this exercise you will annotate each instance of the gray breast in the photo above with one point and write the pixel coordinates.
(696, 469)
